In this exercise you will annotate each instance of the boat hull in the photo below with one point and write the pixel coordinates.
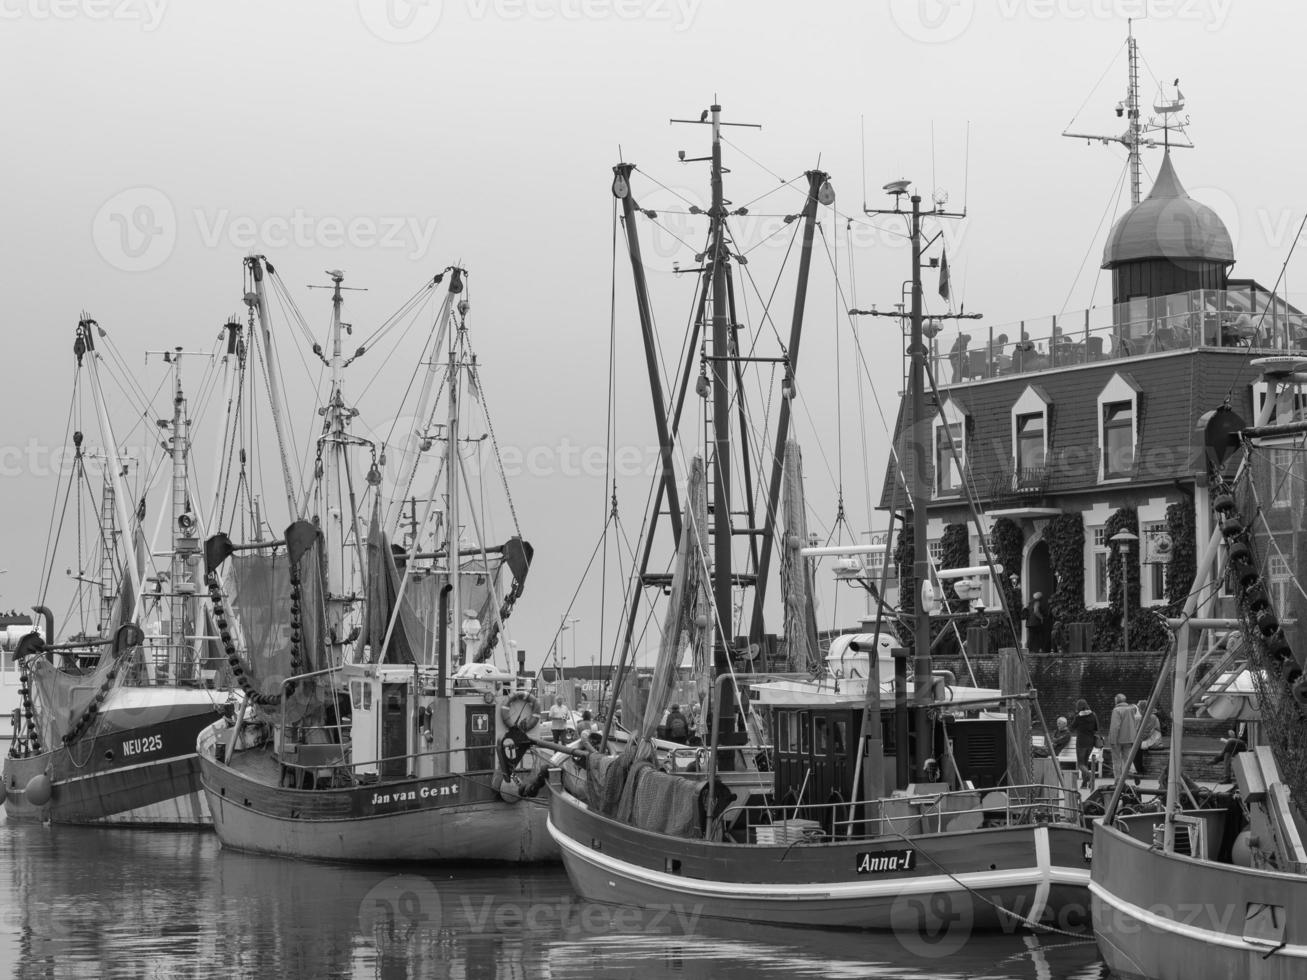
(954, 881)
(458, 818)
(145, 775)
(1171, 917)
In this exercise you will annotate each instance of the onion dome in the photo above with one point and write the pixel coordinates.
(1168, 224)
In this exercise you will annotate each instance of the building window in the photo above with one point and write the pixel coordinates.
(948, 438)
(1118, 439)
(936, 552)
(950, 448)
(1283, 476)
(1152, 582)
(1030, 442)
(1280, 578)
(1118, 428)
(1100, 555)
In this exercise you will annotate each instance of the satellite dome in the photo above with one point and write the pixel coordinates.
(1168, 224)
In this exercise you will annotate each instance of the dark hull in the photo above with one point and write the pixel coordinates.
(101, 780)
(1169, 917)
(956, 881)
(455, 818)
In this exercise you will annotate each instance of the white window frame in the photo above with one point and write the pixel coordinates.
(950, 414)
(1121, 388)
(1095, 545)
(1033, 401)
(1279, 577)
(1148, 594)
(1283, 462)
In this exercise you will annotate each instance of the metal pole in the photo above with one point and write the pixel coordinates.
(1125, 597)
(921, 449)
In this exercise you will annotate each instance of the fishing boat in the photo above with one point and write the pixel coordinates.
(1212, 883)
(903, 817)
(373, 724)
(109, 717)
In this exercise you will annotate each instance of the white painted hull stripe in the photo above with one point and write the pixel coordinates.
(1192, 932)
(1042, 878)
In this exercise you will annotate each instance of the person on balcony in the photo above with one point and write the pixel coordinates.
(958, 355)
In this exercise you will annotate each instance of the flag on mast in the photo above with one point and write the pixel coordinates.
(943, 276)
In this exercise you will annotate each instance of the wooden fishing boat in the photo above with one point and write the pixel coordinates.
(110, 720)
(370, 730)
(1214, 890)
(902, 816)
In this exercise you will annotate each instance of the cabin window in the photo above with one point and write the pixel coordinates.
(356, 694)
(783, 732)
(1118, 428)
(367, 697)
(819, 740)
(840, 732)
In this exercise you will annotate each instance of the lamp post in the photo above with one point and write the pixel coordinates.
(1123, 540)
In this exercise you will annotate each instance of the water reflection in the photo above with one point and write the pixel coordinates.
(78, 902)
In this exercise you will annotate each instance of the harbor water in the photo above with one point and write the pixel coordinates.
(82, 902)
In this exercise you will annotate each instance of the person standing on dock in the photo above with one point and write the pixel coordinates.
(559, 717)
(1121, 734)
(1085, 728)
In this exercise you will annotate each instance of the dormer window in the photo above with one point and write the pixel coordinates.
(950, 449)
(1030, 438)
(1118, 428)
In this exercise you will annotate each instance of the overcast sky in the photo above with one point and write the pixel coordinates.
(148, 146)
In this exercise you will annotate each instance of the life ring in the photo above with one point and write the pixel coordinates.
(520, 711)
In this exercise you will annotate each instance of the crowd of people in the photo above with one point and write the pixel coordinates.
(1126, 721)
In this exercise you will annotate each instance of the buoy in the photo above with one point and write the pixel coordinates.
(39, 789)
(510, 792)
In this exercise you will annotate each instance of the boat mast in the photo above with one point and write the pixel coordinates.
(331, 507)
(85, 344)
(453, 538)
(256, 265)
(185, 541)
(920, 430)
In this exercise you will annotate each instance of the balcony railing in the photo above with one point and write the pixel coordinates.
(1245, 318)
(1018, 484)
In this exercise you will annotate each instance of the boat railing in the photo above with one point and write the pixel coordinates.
(905, 816)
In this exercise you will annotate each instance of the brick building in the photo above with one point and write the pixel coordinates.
(1070, 428)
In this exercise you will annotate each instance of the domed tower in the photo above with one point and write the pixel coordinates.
(1167, 243)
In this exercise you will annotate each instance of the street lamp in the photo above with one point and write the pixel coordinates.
(1123, 540)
